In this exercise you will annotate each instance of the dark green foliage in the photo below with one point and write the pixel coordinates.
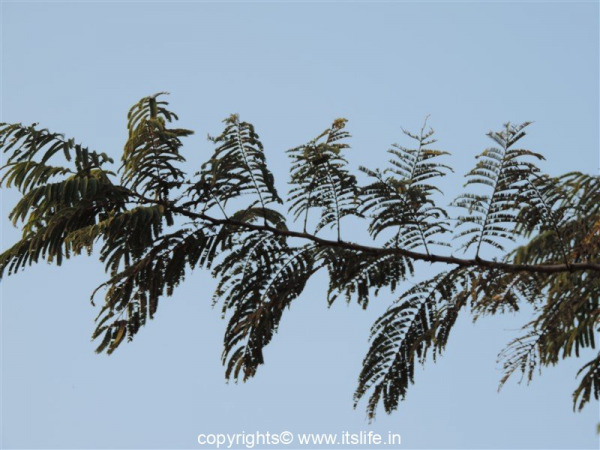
(363, 274)
(152, 152)
(568, 302)
(590, 383)
(132, 294)
(419, 322)
(56, 201)
(321, 180)
(504, 170)
(259, 279)
(237, 167)
(154, 226)
(402, 196)
(496, 291)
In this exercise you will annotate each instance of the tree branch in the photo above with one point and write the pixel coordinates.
(475, 262)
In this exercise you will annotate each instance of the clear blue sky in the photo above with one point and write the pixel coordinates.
(290, 68)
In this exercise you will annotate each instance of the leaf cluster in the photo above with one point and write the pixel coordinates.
(152, 225)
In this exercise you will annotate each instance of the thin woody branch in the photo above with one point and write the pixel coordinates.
(432, 258)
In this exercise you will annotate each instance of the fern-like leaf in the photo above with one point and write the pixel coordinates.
(151, 158)
(133, 294)
(258, 280)
(504, 170)
(402, 196)
(237, 167)
(590, 384)
(320, 179)
(359, 275)
(419, 321)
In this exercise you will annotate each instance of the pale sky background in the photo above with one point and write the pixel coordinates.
(290, 68)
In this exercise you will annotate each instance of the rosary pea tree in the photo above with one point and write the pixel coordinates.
(152, 224)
